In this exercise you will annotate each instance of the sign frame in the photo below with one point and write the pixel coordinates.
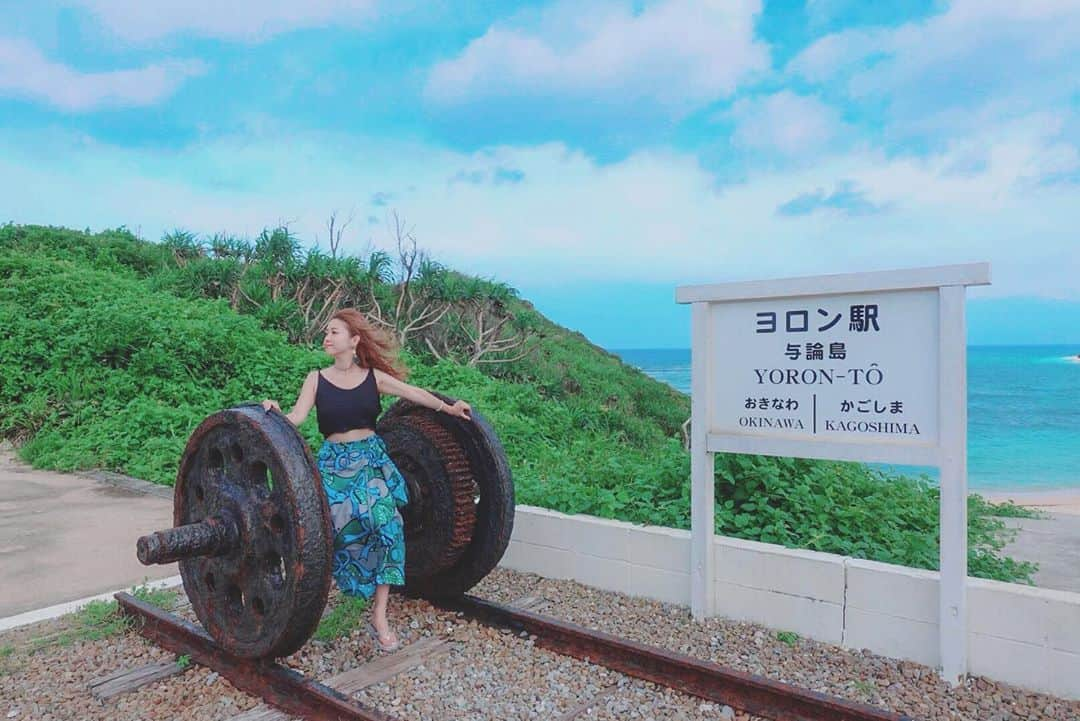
(949, 453)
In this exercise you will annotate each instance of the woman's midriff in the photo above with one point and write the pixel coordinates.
(356, 434)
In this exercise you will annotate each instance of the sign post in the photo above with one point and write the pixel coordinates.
(860, 367)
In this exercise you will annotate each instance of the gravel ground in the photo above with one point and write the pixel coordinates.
(492, 674)
(49, 683)
(901, 686)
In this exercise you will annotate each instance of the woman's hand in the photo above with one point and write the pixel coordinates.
(269, 405)
(461, 409)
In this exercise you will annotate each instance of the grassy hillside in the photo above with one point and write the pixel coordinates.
(114, 350)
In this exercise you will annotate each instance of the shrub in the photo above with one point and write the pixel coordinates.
(105, 366)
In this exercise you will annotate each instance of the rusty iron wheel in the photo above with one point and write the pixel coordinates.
(439, 519)
(262, 594)
(461, 508)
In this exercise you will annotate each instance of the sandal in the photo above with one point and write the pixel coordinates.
(385, 648)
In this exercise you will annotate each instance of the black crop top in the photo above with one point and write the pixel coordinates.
(341, 409)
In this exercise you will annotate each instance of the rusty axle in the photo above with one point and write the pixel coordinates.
(216, 536)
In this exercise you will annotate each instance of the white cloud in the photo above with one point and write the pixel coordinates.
(979, 61)
(26, 73)
(656, 216)
(141, 21)
(675, 53)
(785, 123)
(659, 215)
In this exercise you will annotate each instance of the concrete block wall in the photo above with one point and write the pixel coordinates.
(1031, 635)
(892, 610)
(793, 590)
(611, 555)
(1017, 634)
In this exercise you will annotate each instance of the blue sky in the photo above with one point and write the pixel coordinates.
(593, 154)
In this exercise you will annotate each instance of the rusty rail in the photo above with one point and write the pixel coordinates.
(277, 685)
(755, 694)
(291, 692)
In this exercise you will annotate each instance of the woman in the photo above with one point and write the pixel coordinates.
(364, 487)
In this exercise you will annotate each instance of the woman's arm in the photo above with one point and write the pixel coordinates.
(304, 401)
(391, 386)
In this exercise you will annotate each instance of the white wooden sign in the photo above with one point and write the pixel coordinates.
(865, 366)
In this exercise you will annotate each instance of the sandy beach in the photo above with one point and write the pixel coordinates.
(1064, 501)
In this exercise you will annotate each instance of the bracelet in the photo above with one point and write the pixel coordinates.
(441, 406)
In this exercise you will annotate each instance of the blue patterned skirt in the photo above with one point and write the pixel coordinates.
(365, 491)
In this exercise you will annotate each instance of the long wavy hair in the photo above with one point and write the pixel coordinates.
(375, 349)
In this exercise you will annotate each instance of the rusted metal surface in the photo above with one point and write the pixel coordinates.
(441, 513)
(214, 536)
(253, 533)
(747, 692)
(462, 485)
(278, 686)
(473, 479)
(292, 693)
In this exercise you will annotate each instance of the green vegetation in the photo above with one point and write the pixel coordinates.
(346, 616)
(866, 688)
(94, 621)
(100, 371)
(8, 664)
(1007, 509)
(115, 349)
(789, 638)
(183, 661)
(102, 619)
(164, 598)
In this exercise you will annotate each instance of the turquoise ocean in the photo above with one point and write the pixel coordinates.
(1023, 413)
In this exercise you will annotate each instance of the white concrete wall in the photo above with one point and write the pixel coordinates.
(1030, 634)
(892, 610)
(1017, 634)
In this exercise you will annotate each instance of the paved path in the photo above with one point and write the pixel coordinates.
(1054, 543)
(67, 536)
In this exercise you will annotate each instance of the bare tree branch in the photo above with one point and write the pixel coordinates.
(336, 229)
(431, 347)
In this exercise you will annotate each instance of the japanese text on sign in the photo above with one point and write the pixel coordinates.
(860, 366)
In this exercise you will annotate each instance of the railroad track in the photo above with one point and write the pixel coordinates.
(297, 695)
